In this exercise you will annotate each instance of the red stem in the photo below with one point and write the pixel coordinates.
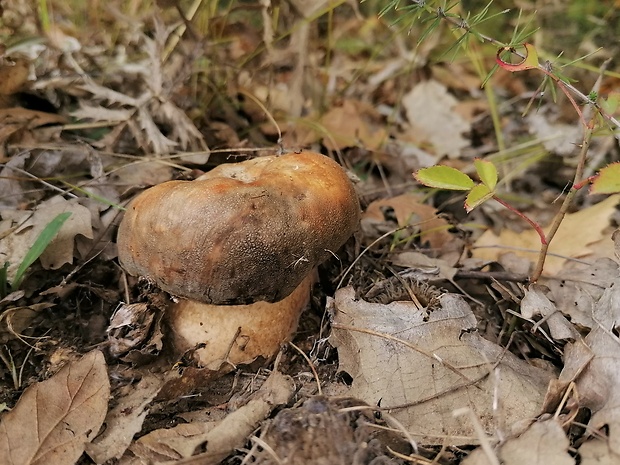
(534, 224)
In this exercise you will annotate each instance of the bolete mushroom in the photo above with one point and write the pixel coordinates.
(237, 247)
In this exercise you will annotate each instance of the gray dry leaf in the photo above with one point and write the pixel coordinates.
(594, 365)
(54, 419)
(446, 369)
(576, 291)
(544, 443)
(597, 452)
(430, 111)
(536, 303)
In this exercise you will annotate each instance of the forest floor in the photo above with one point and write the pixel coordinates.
(424, 339)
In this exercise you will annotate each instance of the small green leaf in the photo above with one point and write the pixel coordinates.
(607, 181)
(477, 196)
(487, 172)
(444, 177)
(40, 244)
(529, 62)
(610, 104)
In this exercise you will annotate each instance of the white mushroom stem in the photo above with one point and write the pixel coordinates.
(223, 336)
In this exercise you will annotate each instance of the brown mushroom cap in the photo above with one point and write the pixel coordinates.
(243, 232)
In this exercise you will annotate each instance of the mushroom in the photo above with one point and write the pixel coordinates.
(237, 248)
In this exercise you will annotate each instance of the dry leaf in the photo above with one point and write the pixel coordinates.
(347, 127)
(544, 443)
(13, 76)
(594, 365)
(444, 367)
(125, 419)
(409, 209)
(14, 247)
(54, 419)
(536, 303)
(559, 138)
(571, 240)
(430, 111)
(231, 432)
(597, 452)
(576, 291)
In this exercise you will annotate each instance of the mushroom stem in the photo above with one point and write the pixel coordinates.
(223, 336)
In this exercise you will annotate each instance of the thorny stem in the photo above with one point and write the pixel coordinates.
(533, 224)
(566, 87)
(578, 183)
(559, 217)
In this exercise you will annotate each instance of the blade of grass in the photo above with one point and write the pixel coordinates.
(40, 244)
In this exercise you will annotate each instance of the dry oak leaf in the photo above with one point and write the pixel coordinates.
(576, 233)
(54, 419)
(409, 209)
(425, 365)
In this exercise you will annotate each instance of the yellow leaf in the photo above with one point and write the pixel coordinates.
(577, 232)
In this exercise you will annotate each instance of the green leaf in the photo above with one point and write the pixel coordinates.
(610, 104)
(4, 288)
(487, 172)
(477, 196)
(529, 62)
(607, 181)
(40, 244)
(444, 177)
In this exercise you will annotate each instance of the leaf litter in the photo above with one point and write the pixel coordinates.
(434, 348)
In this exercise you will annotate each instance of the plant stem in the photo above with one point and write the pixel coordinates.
(559, 217)
(578, 181)
(534, 224)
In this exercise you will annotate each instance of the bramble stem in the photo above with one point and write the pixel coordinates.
(578, 182)
(534, 224)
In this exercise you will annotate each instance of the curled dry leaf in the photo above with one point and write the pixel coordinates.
(224, 436)
(594, 365)
(125, 419)
(427, 363)
(54, 419)
(536, 303)
(576, 291)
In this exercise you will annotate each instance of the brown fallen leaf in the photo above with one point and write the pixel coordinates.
(427, 364)
(54, 419)
(14, 247)
(346, 127)
(125, 419)
(220, 439)
(576, 233)
(409, 209)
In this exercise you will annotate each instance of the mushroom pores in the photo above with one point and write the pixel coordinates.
(243, 232)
